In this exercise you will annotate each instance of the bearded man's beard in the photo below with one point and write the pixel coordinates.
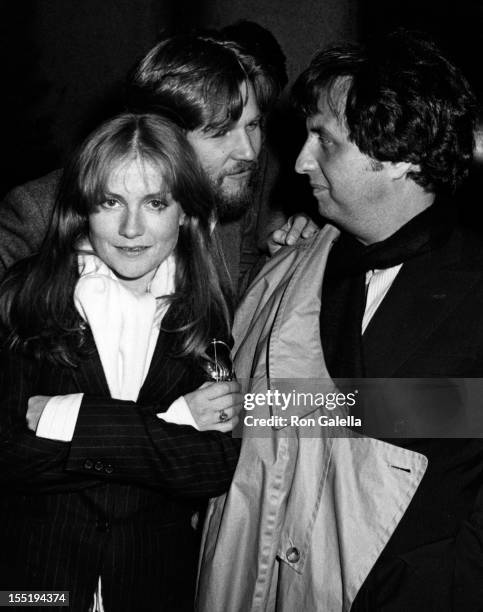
(232, 206)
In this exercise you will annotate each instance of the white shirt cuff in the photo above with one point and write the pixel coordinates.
(178, 413)
(59, 417)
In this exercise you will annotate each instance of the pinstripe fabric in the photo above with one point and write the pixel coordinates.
(118, 500)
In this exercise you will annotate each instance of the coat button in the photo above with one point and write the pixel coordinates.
(293, 554)
(109, 469)
(98, 466)
(88, 464)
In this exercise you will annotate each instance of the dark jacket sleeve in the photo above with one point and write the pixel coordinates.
(113, 439)
(126, 441)
(25, 214)
(26, 462)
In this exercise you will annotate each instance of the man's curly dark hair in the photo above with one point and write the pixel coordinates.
(405, 102)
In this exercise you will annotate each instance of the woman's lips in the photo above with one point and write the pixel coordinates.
(132, 251)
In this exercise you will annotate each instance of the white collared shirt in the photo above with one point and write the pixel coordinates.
(378, 283)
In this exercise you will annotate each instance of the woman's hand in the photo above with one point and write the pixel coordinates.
(36, 405)
(215, 405)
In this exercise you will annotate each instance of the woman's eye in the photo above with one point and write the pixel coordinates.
(157, 204)
(110, 203)
(254, 125)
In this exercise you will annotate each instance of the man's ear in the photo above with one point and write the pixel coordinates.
(400, 170)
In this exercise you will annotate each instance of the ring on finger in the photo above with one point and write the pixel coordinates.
(222, 417)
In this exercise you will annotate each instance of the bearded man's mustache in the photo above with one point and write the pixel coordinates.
(238, 168)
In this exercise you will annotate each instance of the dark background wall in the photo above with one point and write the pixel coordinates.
(63, 61)
(456, 25)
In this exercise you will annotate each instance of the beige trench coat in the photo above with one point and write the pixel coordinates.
(306, 517)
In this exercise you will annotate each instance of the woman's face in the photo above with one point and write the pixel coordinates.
(136, 226)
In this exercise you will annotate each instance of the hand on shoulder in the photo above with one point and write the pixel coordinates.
(297, 227)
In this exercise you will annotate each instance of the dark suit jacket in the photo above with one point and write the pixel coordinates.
(430, 324)
(26, 210)
(118, 500)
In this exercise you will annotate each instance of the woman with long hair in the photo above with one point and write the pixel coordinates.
(112, 437)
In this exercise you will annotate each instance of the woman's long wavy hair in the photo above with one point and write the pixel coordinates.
(37, 309)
